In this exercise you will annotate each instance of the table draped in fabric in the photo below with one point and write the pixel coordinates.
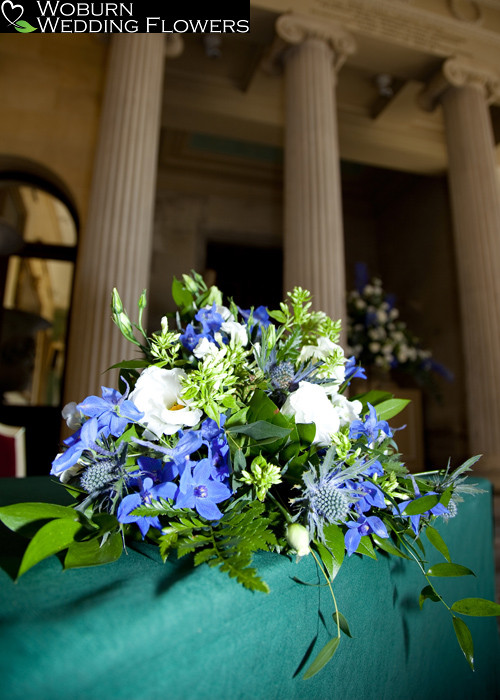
(139, 628)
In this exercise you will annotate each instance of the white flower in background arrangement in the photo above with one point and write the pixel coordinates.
(157, 394)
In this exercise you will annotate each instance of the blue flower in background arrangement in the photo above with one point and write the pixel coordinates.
(360, 527)
(371, 427)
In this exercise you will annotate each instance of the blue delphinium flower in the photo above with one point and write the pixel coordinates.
(214, 438)
(371, 427)
(370, 496)
(199, 490)
(360, 527)
(84, 439)
(147, 493)
(352, 370)
(438, 509)
(210, 319)
(113, 411)
(190, 338)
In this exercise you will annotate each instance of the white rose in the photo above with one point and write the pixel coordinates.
(157, 394)
(310, 404)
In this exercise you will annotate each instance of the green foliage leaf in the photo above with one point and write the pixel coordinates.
(476, 607)
(131, 364)
(390, 408)
(365, 547)
(18, 515)
(53, 537)
(24, 27)
(421, 505)
(334, 538)
(326, 558)
(261, 430)
(387, 545)
(449, 569)
(322, 658)
(306, 432)
(374, 397)
(464, 638)
(102, 549)
(437, 541)
(182, 296)
(342, 622)
(428, 593)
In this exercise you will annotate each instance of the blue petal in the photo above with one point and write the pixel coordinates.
(207, 509)
(352, 539)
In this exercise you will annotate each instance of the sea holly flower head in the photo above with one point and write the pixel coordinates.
(361, 527)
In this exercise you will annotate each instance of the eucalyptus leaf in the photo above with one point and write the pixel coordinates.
(322, 658)
(18, 515)
(476, 607)
(464, 638)
(98, 550)
(449, 569)
(342, 623)
(53, 537)
(437, 541)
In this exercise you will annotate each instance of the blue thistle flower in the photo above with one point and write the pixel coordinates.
(329, 493)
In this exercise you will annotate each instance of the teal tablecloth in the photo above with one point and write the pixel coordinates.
(142, 629)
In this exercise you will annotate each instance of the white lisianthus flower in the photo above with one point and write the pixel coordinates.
(236, 331)
(157, 394)
(205, 347)
(310, 404)
(223, 311)
(347, 410)
(324, 349)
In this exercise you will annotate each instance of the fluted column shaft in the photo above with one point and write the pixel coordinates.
(313, 237)
(475, 202)
(115, 249)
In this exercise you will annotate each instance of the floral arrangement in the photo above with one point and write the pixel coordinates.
(233, 433)
(378, 338)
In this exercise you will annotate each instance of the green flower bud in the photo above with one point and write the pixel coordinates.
(298, 538)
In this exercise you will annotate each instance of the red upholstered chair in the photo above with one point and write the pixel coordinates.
(12, 451)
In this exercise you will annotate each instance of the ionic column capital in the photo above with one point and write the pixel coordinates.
(293, 29)
(460, 72)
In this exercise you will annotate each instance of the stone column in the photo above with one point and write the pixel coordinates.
(313, 236)
(464, 91)
(115, 248)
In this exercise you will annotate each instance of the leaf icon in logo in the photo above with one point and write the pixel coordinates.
(24, 27)
(11, 12)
